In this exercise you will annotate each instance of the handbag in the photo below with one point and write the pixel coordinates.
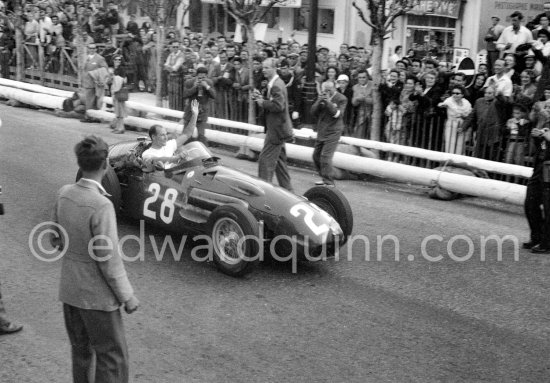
(122, 94)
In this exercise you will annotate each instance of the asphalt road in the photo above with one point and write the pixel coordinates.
(457, 318)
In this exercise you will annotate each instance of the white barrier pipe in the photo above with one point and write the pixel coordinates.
(490, 166)
(148, 108)
(138, 122)
(31, 98)
(35, 88)
(68, 94)
(480, 187)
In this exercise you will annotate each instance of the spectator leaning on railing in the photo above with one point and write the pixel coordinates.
(487, 119)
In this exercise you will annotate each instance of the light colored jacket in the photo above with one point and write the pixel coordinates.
(117, 84)
(85, 212)
(99, 76)
(92, 64)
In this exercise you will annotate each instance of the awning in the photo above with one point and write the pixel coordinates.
(443, 8)
(283, 4)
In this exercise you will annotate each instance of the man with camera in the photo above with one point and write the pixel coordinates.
(328, 109)
(199, 88)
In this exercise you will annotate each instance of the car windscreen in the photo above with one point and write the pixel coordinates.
(196, 150)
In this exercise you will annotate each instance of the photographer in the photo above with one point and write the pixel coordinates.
(202, 89)
(328, 110)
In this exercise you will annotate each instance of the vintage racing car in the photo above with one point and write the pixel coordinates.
(239, 212)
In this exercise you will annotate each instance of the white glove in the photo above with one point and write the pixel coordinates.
(295, 115)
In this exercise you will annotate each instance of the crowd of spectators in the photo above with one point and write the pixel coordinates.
(489, 115)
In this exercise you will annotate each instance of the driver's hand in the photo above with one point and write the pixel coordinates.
(183, 155)
(195, 107)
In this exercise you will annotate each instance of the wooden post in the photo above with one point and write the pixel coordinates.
(310, 87)
(20, 53)
(41, 62)
(159, 47)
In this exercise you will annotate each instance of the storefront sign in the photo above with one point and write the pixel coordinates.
(265, 3)
(517, 6)
(444, 8)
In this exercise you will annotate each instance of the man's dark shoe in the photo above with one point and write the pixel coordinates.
(10, 328)
(529, 245)
(538, 249)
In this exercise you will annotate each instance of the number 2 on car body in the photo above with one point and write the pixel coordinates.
(167, 207)
(308, 211)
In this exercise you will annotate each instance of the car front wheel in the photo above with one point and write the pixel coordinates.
(235, 240)
(335, 204)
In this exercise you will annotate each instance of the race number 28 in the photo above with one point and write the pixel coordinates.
(167, 207)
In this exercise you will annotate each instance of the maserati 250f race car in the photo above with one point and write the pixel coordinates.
(202, 196)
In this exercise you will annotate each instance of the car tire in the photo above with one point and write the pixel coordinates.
(334, 203)
(112, 186)
(228, 225)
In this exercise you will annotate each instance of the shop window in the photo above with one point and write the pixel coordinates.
(325, 21)
(431, 37)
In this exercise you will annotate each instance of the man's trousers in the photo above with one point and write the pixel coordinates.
(98, 334)
(273, 160)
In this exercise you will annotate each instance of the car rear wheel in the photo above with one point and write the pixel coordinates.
(235, 240)
(334, 203)
(112, 186)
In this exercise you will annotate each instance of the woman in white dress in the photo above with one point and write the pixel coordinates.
(457, 109)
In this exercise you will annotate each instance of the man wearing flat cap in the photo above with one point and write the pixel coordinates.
(491, 37)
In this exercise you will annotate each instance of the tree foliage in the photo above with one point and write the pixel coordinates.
(151, 7)
(248, 12)
(382, 14)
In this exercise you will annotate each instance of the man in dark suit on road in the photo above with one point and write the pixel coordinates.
(278, 127)
(329, 111)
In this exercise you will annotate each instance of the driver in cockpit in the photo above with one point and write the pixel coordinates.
(164, 150)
